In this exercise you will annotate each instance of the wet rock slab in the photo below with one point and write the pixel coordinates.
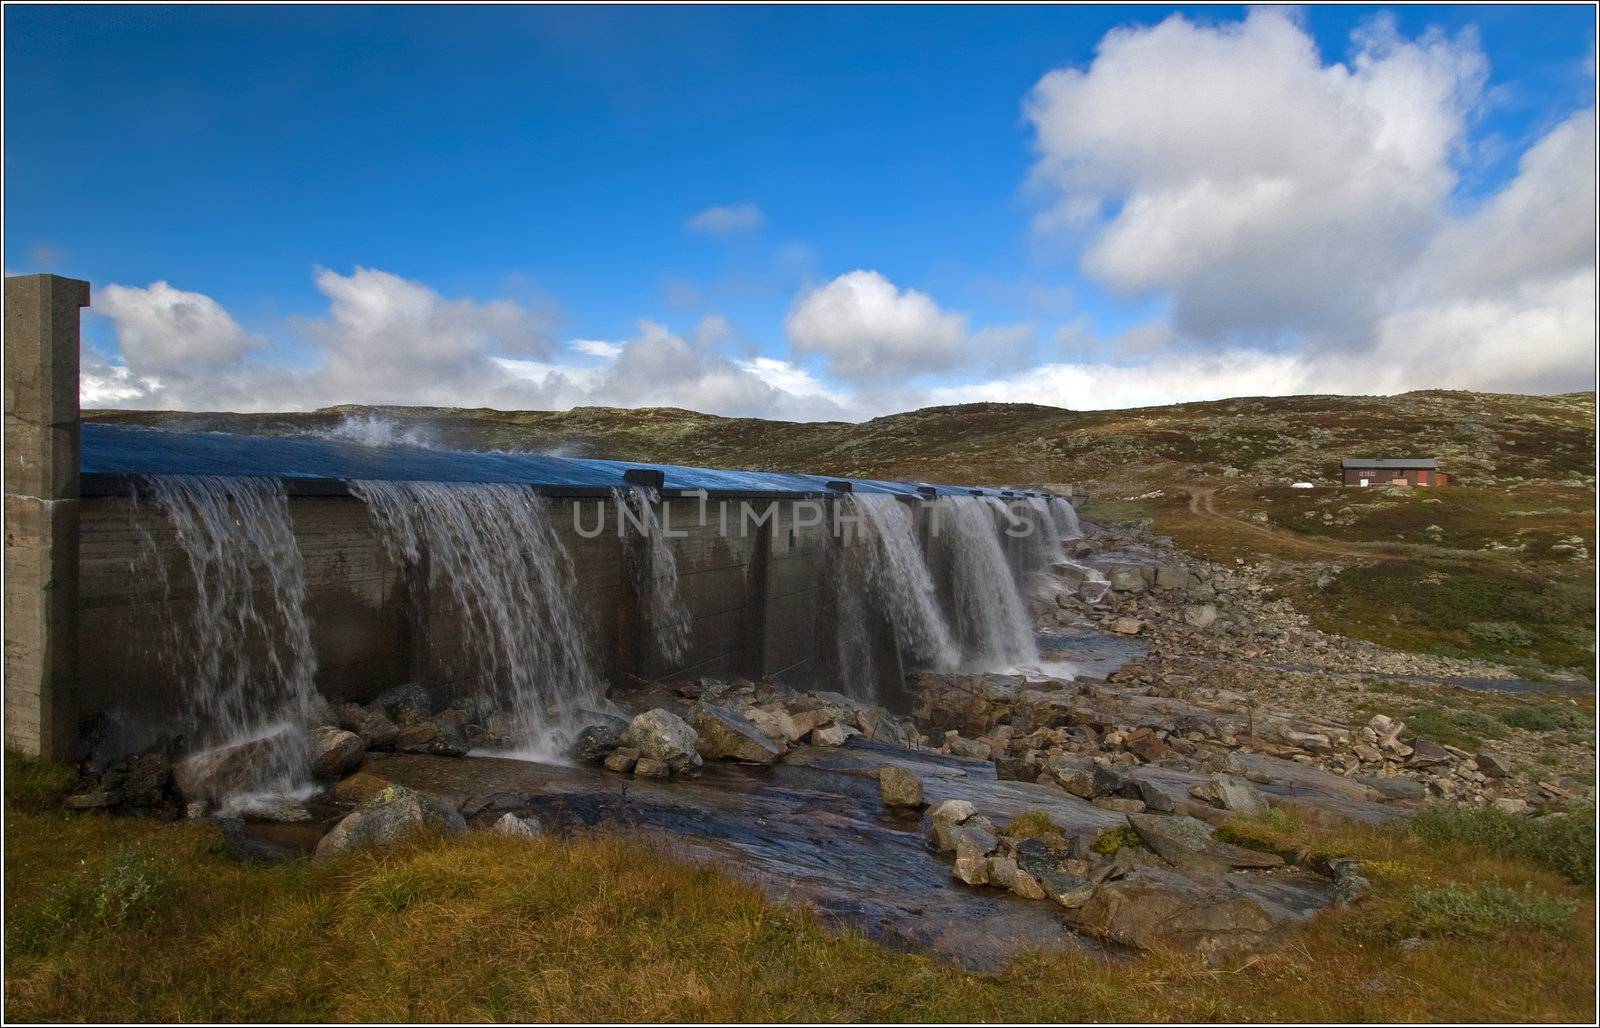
(812, 829)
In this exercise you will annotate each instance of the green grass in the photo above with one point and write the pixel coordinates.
(1428, 607)
(130, 919)
(1548, 716)
(35, 785)
(1563, 843)
(1462, 728)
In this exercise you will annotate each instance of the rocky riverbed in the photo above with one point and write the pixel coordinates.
(1081, 803)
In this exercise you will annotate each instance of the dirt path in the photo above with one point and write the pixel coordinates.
(1203, 504)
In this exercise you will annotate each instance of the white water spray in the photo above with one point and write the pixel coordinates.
(243, 658)
(660, 600)
(989, 616)
(512, 582)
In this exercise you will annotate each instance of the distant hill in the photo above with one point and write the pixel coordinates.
(1479, 438)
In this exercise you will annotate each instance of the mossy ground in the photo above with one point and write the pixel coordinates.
(165, 926)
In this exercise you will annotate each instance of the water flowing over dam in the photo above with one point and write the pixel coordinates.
(990, 617)
(319, 570)
(243, 656)
(655, 572)
(493, 548)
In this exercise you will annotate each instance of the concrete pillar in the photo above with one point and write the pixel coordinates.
(41, 513)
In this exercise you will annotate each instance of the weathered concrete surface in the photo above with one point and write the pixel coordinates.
(41, 513)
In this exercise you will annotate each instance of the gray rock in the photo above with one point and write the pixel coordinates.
(518, 827)
(900, 788)
(832, 735)
(390, 815)
(1394, 787)
(1231, 792)
(1200, 615)
(1168, 577)
(954, 811)
(369, 722)
(212, 775)
(596, 742)
(450, 738)
(662, 738)
(406, 703)
(1126, 578)
(147, 781)
(1155, 908)
(1493, 765)
(973, 749)
(1188, 843)
(622, 759)
(334, 752)
(723, 734)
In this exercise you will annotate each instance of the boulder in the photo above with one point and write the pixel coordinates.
(1393, 787)
(1146, 745)
(596, 742)
(1493, 765)
(954, 811)
(832, 735)
(622, 759)
(1200, 615)
(722, 734)
(450, 734)
(518, 827)
(900, 788)
(1155, 908)
(369, 722)
(1426, 753)
(1188, 843)
(212, 775)
(775, 724)
(1126, 578)
(334, 752)
(406, 703)
(147, 781)
(390, 815)
(1127, 626)
(92, 800)
(973, 749)
(415, 738)
(1168, 577)
(1231, 792)
(662, 738)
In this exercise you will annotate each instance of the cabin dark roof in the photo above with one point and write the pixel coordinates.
(1419, 463)
(114, 456)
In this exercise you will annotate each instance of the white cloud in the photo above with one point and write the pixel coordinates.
(162, 329)
(1265, 190)
(869, 330)
(596, 348)
(726, 219)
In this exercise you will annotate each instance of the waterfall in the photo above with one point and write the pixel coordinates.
(660, 601)
(1068, 529)
(1066, 518)
(511, 581)
(243, 657)
(990, 618)
(899, 583)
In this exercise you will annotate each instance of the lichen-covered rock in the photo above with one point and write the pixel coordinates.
(334, 752)
(662, 738)
(1188, 843)
(622, 759)
(389, 815)
(1231, 792)
(722, 734)
(900, 788)
(1154, 907)
(832, 735)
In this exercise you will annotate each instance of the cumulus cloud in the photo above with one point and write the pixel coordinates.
(1230, 166)
(868, 329)
(388, 339)
(162, 329)
(726, 219)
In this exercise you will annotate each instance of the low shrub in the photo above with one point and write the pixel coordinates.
(1547, 716)
(127, 886)
(1562, 842)
(1455, 910)
(1031, 824)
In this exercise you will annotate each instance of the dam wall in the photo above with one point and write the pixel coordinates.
(157, 581)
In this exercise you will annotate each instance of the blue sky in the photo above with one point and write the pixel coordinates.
(514, 180)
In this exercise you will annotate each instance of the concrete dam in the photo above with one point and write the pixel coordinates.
(218, 587)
